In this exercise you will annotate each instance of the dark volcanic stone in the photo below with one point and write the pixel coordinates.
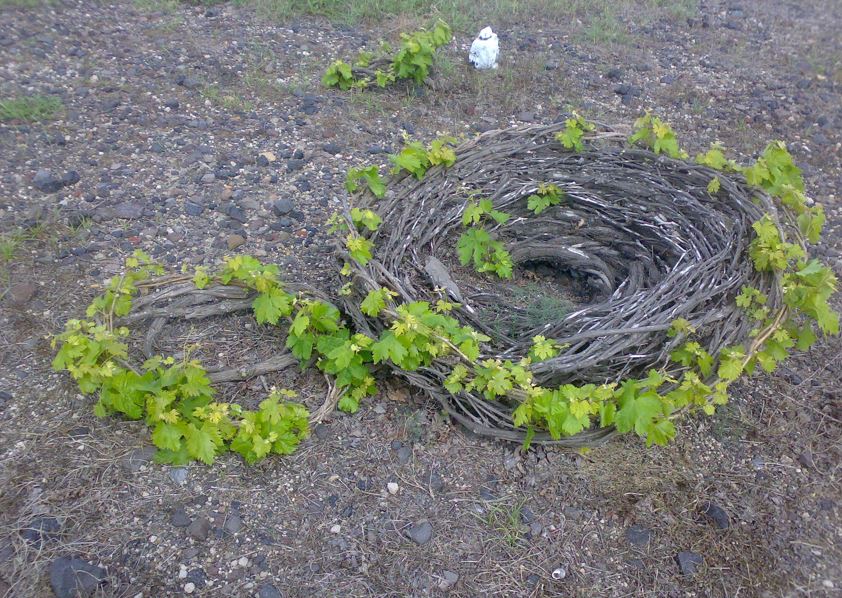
(717, 514)
(40, 530)
(199, 529)
(688, 561)
(282, 207)
(193, 209)
(268, 591)
(72, 578)
(179, 517)
(71, 177)
(420, 533)
(637, 535)
(46, 181)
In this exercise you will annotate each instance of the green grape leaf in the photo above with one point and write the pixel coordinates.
(167, 436)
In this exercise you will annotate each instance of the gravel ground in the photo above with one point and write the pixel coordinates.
(169, 112)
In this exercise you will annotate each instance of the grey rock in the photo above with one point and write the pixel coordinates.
(282, 207)
(448, 580)
(322, 431)
(128, 210)
(178, 475)
(199, 528)
(22, 293)
(404, 455)
(806, 459)
(421, 532)
(624, 89)
(295, 164)
(688, 561)
(332, 148)
(193, 209)
(435, 481)
(267, 590)
(179, 517)
(75, 578)
(190, 554)
(639, 536)
(207, 178)
(233, 523)
(46, 181)
(198, 577)
(138, 457)
(717, 514)
(71, 177)
(487, 494)
(234, 241)
(614, 74)
(189, 82)
(237, 213)
(41, 530)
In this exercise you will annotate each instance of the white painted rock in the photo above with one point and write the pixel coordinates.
(484, 50)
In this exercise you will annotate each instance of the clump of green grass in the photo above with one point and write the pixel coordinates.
(30, 108)
(227, 101)
(506, 520)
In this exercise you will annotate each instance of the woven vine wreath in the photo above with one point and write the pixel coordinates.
(663, 252)
(543, 284)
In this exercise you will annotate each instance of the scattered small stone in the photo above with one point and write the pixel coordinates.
(179, 517)
(75, 578)
(559, 573)
(199, 529)
(688, 561)
(717, 514)
(392, 487)
(332, 148)
(421, 532)
(637, 535)
(243, 562)
(335, 529)
(207, 178)
(321, 431)
(189, 587)
(234, 240)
